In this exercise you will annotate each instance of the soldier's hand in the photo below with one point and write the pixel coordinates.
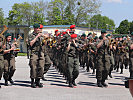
(131, 47)
(39, 35)
(13, 48)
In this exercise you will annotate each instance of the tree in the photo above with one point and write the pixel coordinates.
(123, 27)
(54, 12)
(131, 27)
(1, 17)
(101, 22)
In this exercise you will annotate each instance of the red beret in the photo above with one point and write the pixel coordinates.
(73, 35)
(41, 26)
(58, 34)
(64, 33)
(68, 30)
(56, 30)
(72, 26)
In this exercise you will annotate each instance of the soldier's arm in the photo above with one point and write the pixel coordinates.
(34, 40)
(100, 44)
(6, 51)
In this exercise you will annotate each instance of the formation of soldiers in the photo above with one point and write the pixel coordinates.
(66, 51)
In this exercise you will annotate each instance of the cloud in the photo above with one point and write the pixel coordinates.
(115, 1)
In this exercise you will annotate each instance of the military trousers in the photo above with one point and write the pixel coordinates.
(47, 63)
(1, 66)
(36, 65)
(131, 66)
(9, 68)
(103, 66)
(73, 68)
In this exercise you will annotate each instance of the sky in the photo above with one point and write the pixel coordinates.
(117, 10)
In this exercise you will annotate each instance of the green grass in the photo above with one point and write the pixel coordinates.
(22, 54)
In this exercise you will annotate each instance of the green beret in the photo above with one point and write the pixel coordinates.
(36, 25)
(8, 34)
(90, 33)
(100, 37)
(120, 36)
(132, 33)
(103, 31)
(95, 37)
(108, 35)
(84, 35)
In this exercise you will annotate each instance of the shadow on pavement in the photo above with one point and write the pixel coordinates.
(118, 84)
(87, 83)
(22, 83)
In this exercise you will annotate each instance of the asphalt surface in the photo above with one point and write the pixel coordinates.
(56, 88)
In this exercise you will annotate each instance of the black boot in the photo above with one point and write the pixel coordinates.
(99, 83)
(11, 81)
(40, 85)
(33, 85)
(6, 83)
(121, 71)
(44, 79)
(0, 86)
(70, 83)
(110, 75)
(73, 82)
(104, 84)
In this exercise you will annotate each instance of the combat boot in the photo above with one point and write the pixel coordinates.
(74, 83)
(11, 81)
(6, 83)
(44, 79)
(104, 84)
(121, 71)
(33, 85)
(99, 83)
(70, 83)
(40, 85)
(110, 75)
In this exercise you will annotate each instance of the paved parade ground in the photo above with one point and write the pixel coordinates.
(56, 89)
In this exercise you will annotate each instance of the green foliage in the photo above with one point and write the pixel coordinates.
(131, 27)
(2, 20)
(123, 27)
(102, 22)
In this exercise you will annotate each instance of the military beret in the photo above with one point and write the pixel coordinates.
(108, 35)
(8, 34)
(84, 35)
(58, 34)
(95, 37)
(36, 25)
(41, 26)
(64, 33)
(103, 31)
(132, 33)
(72, 26)
(90, 33)
(73, 35)
(56, 30)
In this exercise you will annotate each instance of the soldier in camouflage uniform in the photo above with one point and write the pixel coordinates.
(9, 60)
(1, 58)
(131, 56)
(103, 60)
(73, 60)
(37, 56)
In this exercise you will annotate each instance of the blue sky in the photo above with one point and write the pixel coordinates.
(117, 10)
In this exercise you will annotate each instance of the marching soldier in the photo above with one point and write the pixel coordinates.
(103, 60)
(9, 60)
(1, 58)
(131, 56)
(73, 60)
(37, 56)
